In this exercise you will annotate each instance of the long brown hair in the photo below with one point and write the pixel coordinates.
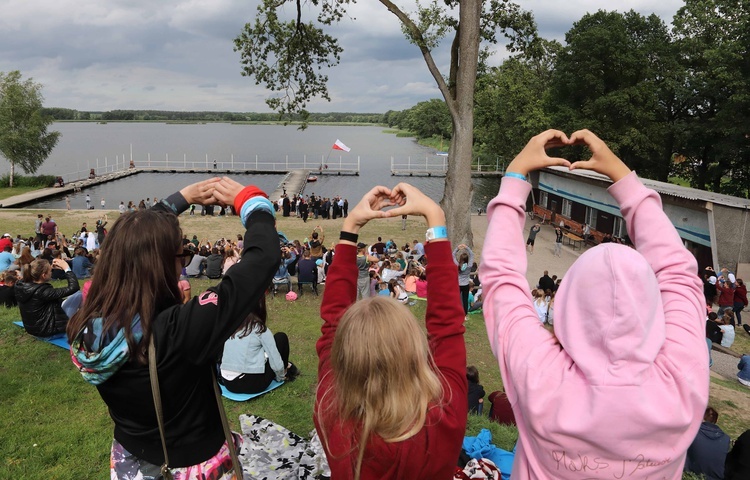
(135, 274)
(255, 321)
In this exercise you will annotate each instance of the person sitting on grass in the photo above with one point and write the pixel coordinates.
(744, 370)
(43, 311)
(727, 329)
(476, 391)
(708, 452)
(390, 404)
(254, 356)
(8, 281)
(737, 465)
(214, 264)
(591, 396)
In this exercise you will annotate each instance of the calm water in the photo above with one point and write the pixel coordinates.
(106, 147)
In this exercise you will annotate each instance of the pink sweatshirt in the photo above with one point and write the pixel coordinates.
(623, 392)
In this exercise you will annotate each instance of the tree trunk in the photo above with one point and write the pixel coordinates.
(456, 202)
(12, 173)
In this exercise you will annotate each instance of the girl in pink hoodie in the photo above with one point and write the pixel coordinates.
(620, 393)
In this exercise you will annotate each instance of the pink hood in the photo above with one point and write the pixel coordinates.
(609, 316)
(620, 392)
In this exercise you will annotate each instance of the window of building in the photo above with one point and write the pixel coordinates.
(619, 230)
(543, 199)
(591, 217)
(567, 206)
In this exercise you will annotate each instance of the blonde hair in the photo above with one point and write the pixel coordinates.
(384, 376)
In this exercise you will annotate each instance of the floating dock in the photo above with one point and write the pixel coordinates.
(43, 193)
(293, 183)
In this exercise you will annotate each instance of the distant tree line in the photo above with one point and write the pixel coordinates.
(670, 102)
(167, 116)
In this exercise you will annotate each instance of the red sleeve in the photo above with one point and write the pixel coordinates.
(445, 329)
(339, 294)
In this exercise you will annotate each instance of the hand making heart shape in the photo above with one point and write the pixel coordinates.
(407, 200)
(534, 155)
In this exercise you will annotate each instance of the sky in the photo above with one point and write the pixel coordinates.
(99, 55)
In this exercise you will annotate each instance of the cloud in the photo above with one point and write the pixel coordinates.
(178, 54)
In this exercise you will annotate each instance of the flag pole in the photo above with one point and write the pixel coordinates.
(327, 157)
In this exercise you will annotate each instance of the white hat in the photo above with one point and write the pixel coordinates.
(712, 280)
(6, 235)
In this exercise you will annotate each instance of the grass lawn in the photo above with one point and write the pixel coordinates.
(54, 425)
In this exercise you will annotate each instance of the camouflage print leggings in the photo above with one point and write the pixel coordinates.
(126, 466)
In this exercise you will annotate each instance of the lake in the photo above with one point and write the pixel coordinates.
(106, 147)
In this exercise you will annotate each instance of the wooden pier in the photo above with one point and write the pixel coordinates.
(44, 193)
(293, 183)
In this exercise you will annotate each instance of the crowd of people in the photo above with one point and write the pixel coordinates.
(392, 398)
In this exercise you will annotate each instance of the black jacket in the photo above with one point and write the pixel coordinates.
(707, 453)
(189, 340)
(41, 305)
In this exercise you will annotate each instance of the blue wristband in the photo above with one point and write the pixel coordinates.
(516, 175)
(436, 233)
(253, 204)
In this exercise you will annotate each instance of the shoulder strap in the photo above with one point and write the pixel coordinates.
(160, 415)
(166, 473)
(227, 431)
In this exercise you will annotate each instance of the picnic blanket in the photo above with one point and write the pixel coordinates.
(481, 446)
(270, 451)
(59, 340)
(243, 397)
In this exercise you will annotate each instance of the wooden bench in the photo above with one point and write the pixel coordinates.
(543, 213)
(577, 228)
(573, 239)
(728, 351)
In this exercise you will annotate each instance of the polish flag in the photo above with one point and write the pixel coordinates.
(339, 145)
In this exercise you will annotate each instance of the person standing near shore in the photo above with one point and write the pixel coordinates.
(67, 202)
(88, 202)
(103, 203)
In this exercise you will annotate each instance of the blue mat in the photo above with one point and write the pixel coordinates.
(243, 397)
(59, 340)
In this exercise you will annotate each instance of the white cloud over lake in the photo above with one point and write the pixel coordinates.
(178, 54)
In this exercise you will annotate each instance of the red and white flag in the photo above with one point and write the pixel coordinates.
(339, 145)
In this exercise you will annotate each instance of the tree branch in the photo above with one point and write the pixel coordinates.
(419, 40)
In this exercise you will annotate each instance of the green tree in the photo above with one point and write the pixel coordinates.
(713, 37)
(288, 56)
(24, 139)
(427, 119)
(510, 105)
(615, 77)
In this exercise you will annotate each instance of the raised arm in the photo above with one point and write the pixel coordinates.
(205, 322)
(341, 281)
(657, 240)
(513, 326)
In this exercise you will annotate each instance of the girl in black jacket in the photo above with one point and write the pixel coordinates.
(43, 311)
(134, 296)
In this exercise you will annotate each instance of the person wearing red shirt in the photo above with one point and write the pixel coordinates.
(6, 241)
(390, 404)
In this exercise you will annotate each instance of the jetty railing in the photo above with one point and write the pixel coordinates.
(103, 167)
(438, 166)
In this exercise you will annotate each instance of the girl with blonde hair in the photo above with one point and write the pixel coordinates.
(540, 304)
(389, 403)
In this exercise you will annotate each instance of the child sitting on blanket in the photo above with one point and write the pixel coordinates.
(390, 404)
(629, 328)
(254, 356)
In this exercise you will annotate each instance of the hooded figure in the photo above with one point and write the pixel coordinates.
(622, 389)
